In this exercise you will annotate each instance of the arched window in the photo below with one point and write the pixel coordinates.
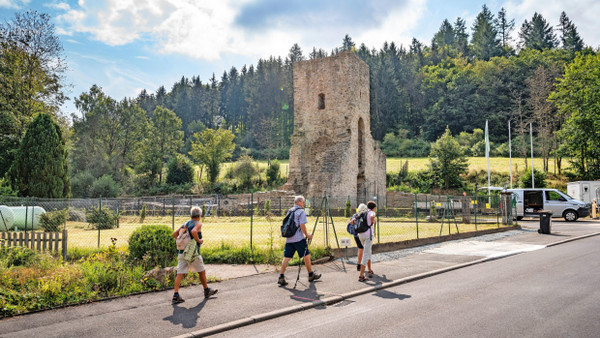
(321, 101)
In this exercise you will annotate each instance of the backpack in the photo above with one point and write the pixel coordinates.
(288, 226)
(350, 229)
(360, 223)
(184, 237)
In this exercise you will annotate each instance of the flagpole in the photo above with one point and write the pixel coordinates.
(509, 154)
(531, 144)
(487, 155)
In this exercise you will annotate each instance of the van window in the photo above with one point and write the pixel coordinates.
(554, 196)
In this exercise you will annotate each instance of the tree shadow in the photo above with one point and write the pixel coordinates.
(185, 317)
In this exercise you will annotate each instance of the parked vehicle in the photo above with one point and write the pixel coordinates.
(585, 191)
(531, 201)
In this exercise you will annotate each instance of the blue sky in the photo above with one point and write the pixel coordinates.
(125, 46)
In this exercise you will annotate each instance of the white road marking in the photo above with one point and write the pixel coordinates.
(484, 249)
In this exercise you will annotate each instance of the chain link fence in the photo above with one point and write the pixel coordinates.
(251, 219)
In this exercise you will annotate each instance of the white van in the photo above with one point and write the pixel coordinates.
(530, 201)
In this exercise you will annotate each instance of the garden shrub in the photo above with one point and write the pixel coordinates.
(348, 211)
(143, 213)
(105, 219)
(76, 215)
(51, 221)
(152, 246)
(18, 256)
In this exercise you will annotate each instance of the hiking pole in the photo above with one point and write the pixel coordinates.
(300, 265)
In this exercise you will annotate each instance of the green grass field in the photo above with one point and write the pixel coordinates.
(393, 164)
(236, 231)
(498, 164)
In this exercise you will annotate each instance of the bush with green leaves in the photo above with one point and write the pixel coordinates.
(180, 170)
(81, 184)
(152, 246)
(539, 179)
(348, 211)
(17, 256)
(273, 175)
(143, 213)
(104, 218)
(52, 221)
(105, 186)
(245, 170)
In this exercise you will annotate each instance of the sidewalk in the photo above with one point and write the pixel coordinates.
(252, 295)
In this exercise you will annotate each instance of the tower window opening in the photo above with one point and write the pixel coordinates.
(321, 101)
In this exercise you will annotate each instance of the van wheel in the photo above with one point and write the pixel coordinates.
(519, 218)
(570, 215)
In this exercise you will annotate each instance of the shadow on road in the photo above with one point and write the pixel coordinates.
(188, 318)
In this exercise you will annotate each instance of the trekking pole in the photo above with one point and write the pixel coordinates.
(300, 265)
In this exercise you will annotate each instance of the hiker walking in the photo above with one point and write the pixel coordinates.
(298, 243)
(366, 238)
(194, 263)
(361, 209)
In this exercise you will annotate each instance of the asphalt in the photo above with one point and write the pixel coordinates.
(251, 294)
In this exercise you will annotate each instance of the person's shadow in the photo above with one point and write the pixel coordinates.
(307, 295)
(186, 317)
(385, 293)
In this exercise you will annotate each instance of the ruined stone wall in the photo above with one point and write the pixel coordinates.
(332, 149)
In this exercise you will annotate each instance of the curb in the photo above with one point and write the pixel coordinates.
(336, 299)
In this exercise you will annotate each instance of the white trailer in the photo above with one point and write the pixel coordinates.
(585, 191)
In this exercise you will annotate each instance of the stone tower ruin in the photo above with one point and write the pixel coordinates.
(332, 149)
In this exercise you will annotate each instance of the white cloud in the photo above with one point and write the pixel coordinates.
(207, 29)
(197, 29)
(16, 4)
(399, 26)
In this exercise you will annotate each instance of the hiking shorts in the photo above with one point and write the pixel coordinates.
(301, 247)
(183, 267)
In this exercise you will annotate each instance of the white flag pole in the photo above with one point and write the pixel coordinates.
(510, 154)
(487, 155)
(531, 143)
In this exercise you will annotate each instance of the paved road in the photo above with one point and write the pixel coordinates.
(552, 292)
(255, 298)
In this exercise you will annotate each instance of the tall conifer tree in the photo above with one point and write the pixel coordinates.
(41, 168)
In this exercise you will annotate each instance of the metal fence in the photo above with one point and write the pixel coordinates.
(250, 219)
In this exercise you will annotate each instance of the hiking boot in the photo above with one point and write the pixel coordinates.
(314, 277)
(177, 299)
(281, 281)
(209, 292)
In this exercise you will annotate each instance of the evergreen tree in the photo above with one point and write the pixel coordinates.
(347, 43)
(295, 54)
(461, 37)
(537, 34)
(570, 38)
(505, 27)
(485, 43)
(41, 168)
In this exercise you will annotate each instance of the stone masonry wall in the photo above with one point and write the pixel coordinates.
(332, 150)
